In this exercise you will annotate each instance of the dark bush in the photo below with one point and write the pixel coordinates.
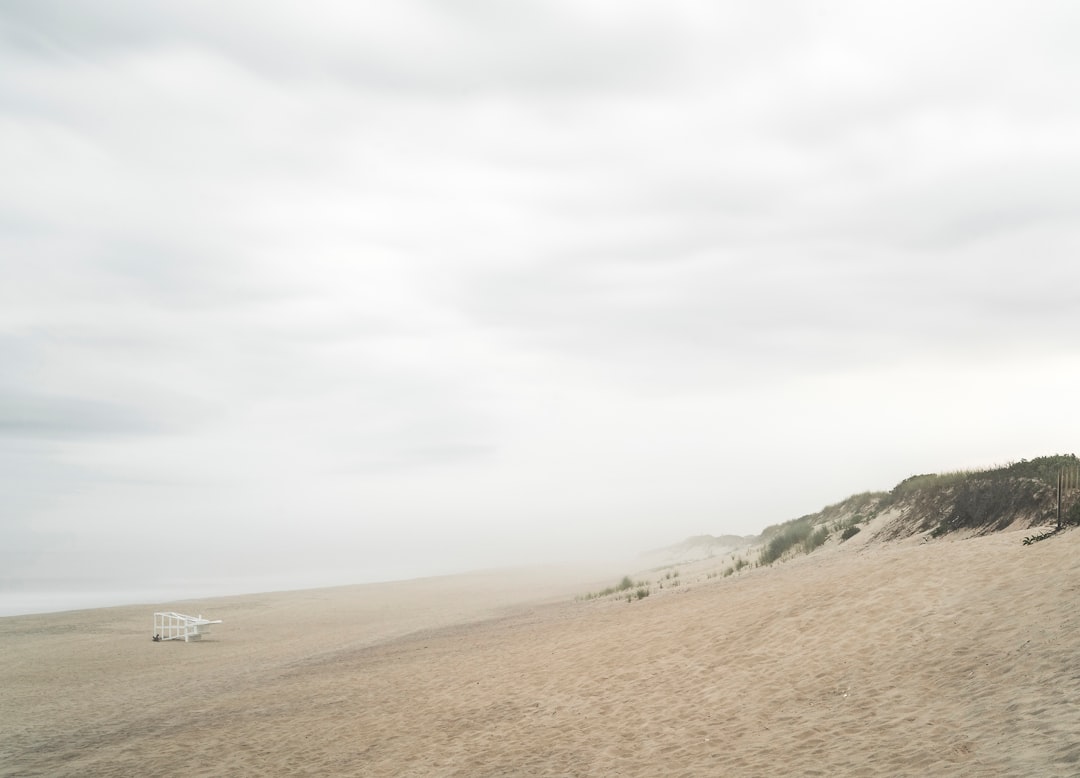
(848, 533)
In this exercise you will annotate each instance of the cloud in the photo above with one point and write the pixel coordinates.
(46, 416)
(411, 50)
(539, 273)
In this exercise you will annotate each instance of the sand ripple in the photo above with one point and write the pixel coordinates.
(946, 658)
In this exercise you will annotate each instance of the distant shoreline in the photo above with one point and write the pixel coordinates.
(29, 598)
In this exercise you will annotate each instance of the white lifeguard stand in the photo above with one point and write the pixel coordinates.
(169, 625)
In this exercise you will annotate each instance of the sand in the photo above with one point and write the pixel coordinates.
(952, 657)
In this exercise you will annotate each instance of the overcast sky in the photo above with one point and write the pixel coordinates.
(399, 288)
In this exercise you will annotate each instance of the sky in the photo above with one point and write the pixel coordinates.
(355, 291)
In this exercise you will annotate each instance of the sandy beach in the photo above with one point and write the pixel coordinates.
(952, 657)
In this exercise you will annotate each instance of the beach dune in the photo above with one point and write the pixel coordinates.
(951, 657)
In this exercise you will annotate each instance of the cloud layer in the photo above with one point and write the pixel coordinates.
(375, 289)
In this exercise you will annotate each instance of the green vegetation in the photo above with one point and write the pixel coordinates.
(623, 585)
(809, 532)
(672, 578)
(1041, 536)
(983, 500)
(849, 526)
(780, 538)
(859, 506)
(815, 539)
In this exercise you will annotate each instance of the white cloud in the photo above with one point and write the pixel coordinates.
(513, 279)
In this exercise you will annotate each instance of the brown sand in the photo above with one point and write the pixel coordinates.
(942, 658)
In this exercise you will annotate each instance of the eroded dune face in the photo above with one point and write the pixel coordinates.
(942, 658)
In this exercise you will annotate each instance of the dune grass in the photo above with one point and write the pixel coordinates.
(622, 586)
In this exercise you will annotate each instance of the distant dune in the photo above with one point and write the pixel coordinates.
(696, 548)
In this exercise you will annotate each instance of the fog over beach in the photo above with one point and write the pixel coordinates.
(368, 293)
(952, 657)
(391, 336)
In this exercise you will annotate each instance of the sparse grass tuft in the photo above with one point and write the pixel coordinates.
(625, 584)
(1041, 536)
(815, 539)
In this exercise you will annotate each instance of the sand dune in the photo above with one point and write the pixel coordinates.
(955, 657)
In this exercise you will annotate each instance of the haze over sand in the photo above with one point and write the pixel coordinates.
(953, 657)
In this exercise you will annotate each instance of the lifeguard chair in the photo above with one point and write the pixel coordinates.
(169, 625)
